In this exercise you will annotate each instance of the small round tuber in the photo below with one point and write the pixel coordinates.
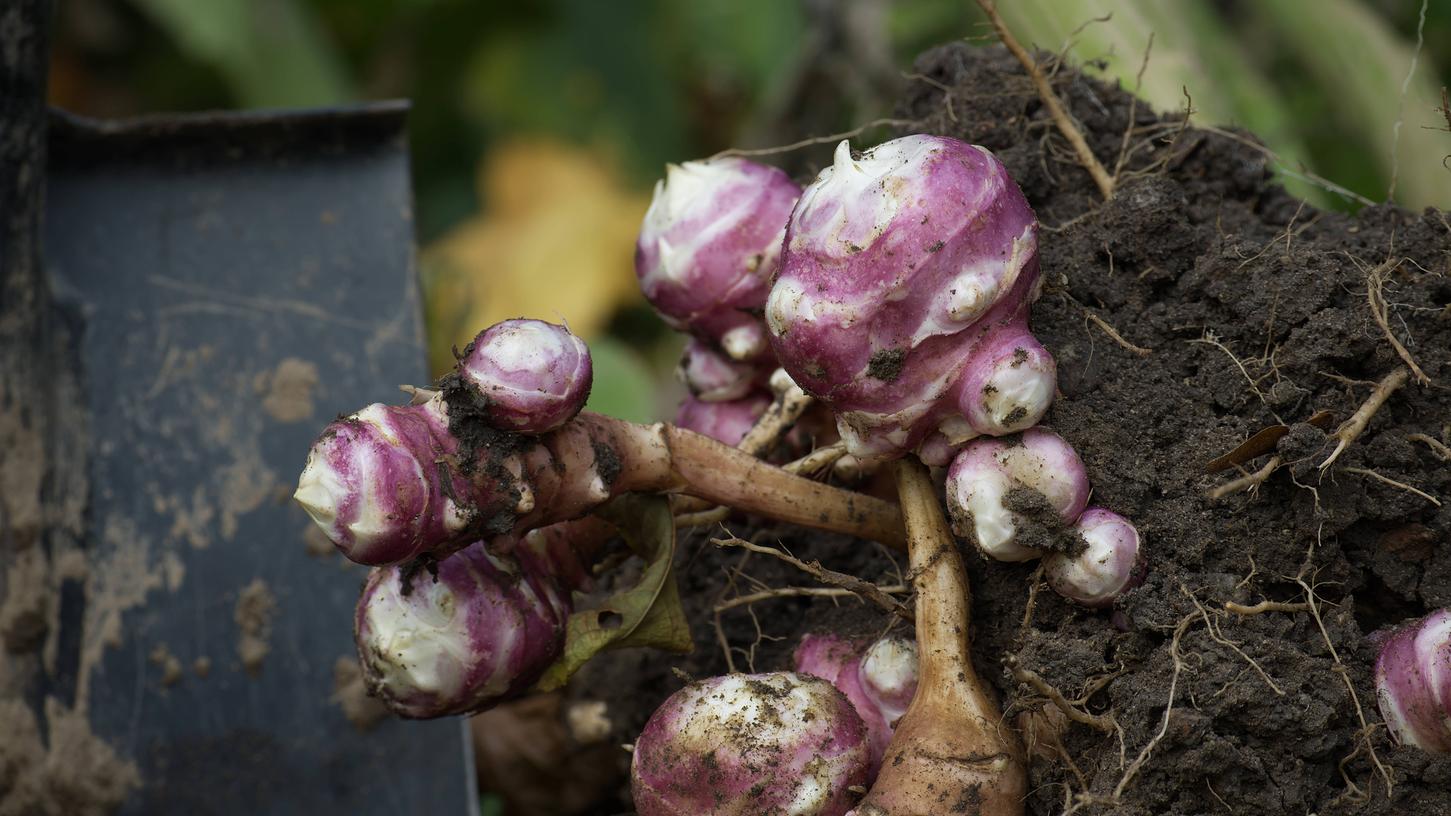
(533, 376)
(879, 678)
(1110, 563)
(751, 745)
(986, 473)
(713, 377)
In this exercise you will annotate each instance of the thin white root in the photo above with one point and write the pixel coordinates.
(1352, 428)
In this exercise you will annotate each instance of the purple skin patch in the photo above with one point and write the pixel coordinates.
(481, 632)
(390, 483)
(713, 377)
(1111, 563)
(534, 376)
(751, 744)
(709, 246)
(372, 484)
(880, 690)
(1413, 682)
(727, 422)
(906, 278)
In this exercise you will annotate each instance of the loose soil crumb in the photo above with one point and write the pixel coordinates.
(253, 615)
(288, 390)
(75, 775)
(119, 581)
(1199, 244)
(245, 485)
(351, 695)
(23, 614)
(173, 570)
(162, 658)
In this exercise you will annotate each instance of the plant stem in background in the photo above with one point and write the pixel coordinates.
(1070, 131)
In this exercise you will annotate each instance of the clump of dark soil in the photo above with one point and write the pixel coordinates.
(1256, 310)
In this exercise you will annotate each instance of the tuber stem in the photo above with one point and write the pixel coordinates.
(724, 475)
(790, 403)
(785, 410)
(950, 752)
(433, 494)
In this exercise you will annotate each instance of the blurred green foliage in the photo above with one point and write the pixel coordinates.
(648, 81)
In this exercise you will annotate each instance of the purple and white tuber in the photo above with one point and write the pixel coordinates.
(482, 632)
(748, 745)
(713, 377)
(370, 483)
(709, 247)
(902, 300)
(987, 471)
(533, 376)
(380, 482)
(878, 677)
(1109, 564)
(727, 422)
(1413, 682)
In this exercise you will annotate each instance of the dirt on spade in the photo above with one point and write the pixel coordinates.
(1201, 305)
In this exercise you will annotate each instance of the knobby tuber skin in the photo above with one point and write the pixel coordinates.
(479, 630)
(727, 422)
(985, 471)
(952, 752)
(879, 678)
(1413, 682)
(533, 376)
(751, 745)
(709, 247)
(1109, 564)
(902, 299)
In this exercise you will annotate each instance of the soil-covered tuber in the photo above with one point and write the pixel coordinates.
(1108, 564)
(989, 474)
(748, 745)
(531, 376)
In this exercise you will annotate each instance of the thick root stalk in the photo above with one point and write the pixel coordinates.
(951, 752)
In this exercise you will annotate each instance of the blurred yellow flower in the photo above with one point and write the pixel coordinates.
(556, 242)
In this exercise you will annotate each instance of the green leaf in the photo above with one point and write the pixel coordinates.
(646, 614)
(1361, 65)
(623, 385)
(273, 53)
